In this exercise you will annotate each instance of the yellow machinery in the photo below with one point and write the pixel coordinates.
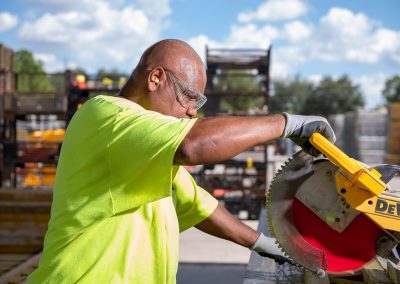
(336, 216)
(362, 188)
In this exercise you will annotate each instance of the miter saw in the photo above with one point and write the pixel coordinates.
(334, 215)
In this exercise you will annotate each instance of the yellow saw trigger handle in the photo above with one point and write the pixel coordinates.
(334, 154)
(356, 172)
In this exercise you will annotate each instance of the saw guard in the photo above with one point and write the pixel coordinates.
(280, 199)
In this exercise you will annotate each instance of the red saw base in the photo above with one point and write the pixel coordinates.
(347, 251)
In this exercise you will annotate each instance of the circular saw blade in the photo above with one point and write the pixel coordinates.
(304, 236)
(279, 206)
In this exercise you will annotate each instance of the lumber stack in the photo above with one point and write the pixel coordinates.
(393, 145)
(6, 70)
(24, 215)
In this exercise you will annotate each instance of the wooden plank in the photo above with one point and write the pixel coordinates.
(345, 281)
(13, 256)
(25, 206)
(23, 217)
(393, 159)
(393, 145)
(395, 107)
(393, 271)
(311, 278)
(374, 273)
(21, 271)
(21, 248)
(26, 195)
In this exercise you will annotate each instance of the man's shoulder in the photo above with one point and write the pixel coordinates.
(116, 101)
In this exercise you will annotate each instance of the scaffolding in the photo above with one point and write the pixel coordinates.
(239, 78)
(228, 68)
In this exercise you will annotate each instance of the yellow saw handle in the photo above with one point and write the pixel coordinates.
(355, 171)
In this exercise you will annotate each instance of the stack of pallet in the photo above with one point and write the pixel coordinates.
(362, 135)
(6, 86)
(24, 215)
(6, 70)
(393, 145)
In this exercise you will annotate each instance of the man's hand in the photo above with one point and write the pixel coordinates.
(299, 128)
(267, 247)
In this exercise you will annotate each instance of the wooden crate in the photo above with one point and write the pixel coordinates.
(394, 111)
(6, 58)
(7, 82)
(394, 128)
(14, 268)
(393, 159)
(24, 215)
(393, 145)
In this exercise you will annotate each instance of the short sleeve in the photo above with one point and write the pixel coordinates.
(193, 203)
(141, 152)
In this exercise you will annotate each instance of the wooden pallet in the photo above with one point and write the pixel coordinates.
(16, 267)
(24, 214)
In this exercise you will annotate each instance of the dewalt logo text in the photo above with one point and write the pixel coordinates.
(387, 207)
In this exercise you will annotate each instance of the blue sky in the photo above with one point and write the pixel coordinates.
(310, 38)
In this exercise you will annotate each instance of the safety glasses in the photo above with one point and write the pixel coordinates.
(187, 96)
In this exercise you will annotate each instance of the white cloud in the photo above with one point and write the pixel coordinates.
(199, 44)
(251, 35)
(344, 23)
(371, 86)
(396, 58)
(297, 31)
(345, 36)
(341, 36)
(98, 34)
(7, 21)
(280, 70)
(275, 10)
(106, 33)
(240, 36)
(315, 78)
(50, 62)
(52, 6)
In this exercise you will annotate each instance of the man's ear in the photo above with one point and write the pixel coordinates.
(154, 79)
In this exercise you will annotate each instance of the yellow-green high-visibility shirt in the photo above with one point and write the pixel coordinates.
(119, 203)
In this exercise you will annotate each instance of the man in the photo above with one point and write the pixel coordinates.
(121, 196)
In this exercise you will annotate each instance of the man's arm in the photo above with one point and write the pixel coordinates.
(219, 138)
(223, 225)
(215, 139)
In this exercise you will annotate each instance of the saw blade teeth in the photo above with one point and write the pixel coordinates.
(273, 183)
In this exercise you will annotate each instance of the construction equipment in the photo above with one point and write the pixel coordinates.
(335, 216)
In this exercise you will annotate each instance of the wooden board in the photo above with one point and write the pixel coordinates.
(19, 272)
(24, 215)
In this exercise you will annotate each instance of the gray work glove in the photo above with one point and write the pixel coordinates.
(299, 129)
(267, 247)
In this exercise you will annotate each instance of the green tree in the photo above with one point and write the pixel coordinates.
(245, 87)
(289, 96)
(112, 73)
(333, 96)
(30, 73)
(391, 92)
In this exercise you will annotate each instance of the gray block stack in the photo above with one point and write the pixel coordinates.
(362, 135)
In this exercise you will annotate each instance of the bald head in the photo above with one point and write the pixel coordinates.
(151, 87)
(176, 56)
